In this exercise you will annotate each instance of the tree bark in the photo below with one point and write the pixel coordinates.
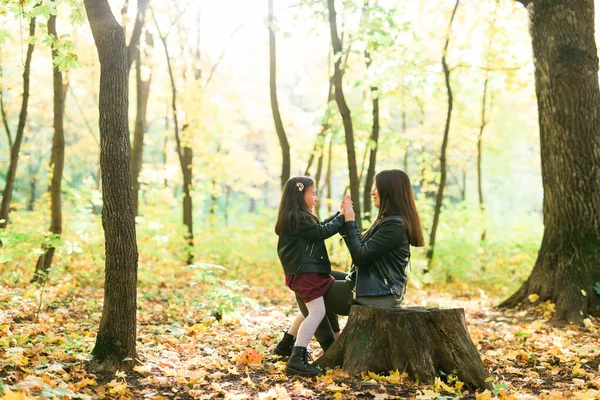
(440, 194)
(422, 342)
(283, 141)
(566, 82)
(340, 99)
(115, 344)
(57, 160)
(16, 145)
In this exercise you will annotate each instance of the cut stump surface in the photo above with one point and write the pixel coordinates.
(423, 342)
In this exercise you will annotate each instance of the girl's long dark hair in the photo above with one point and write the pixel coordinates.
(396, 198)
(292, 206)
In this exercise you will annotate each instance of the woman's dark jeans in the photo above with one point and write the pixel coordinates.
(337, 302)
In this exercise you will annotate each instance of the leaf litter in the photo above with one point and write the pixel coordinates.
(186, 352)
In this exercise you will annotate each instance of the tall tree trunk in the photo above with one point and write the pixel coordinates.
(33, 170)
(328, 175)
(283, 141)
(440, 194)
(340, 99)
(142, 95)
(115, 343)
(185, 155)
(372, 145)
(137, 151)
(133, 49)
(187, 158)
(16, 145)
(3, 110)
(480, 153)
(57, 161)
(566, 82)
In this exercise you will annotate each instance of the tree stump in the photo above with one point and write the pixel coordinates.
(423, 342)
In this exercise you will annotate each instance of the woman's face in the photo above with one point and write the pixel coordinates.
(310, 197)
(375, 195)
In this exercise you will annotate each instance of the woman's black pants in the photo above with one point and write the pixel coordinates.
(337, 302)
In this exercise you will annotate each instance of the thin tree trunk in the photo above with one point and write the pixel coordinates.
(188, 208)
(440, 194)
(328, 175)
(3, 111)
(164, 148)
(568, 96)
(116, 341)
(33, 170)
(185, 156)
(57, 161)
(480, 154)
(16, 146)
(133, 49)
(142, 95)
(340, 99)
(137, 151)
(283, 141)
(372, 146)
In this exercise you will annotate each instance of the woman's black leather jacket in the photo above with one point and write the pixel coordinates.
(305, 251)
(380, 257)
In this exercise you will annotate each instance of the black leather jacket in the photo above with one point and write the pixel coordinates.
(380, 257)
(305, 251)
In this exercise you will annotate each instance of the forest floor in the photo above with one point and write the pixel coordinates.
(192, 349)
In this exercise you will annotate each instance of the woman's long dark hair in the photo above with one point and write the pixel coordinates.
(292, 206)
(396, 198)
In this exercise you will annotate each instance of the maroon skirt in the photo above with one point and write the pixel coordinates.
(310, 285)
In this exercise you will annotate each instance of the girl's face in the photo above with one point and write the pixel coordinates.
(375, 195)
(310, 197)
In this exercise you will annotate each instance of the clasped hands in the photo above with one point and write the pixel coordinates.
(346, 208)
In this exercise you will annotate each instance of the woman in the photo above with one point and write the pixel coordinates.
(380, 256)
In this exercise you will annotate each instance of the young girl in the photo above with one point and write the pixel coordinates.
(303, 255)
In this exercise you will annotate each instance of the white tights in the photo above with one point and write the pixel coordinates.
(307, 328)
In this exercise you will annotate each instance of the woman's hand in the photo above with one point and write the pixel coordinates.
(347, 209)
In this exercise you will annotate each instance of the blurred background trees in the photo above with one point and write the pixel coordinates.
(356, 92)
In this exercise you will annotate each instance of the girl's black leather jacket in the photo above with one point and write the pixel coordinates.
(305, 251)
(379, 257)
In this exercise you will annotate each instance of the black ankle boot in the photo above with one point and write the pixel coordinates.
(298, 363)
(285, 345)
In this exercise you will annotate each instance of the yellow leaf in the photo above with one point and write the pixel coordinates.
(587, 395)
(583, 292)
(440, 386)
(336, 389)
(10, 395)
(532, 298)
(486, 395)
(578, 371)
(117, 387)
(120, 374)
(85, 382)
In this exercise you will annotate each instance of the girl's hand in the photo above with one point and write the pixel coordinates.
(345, 199)
(347, 209)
